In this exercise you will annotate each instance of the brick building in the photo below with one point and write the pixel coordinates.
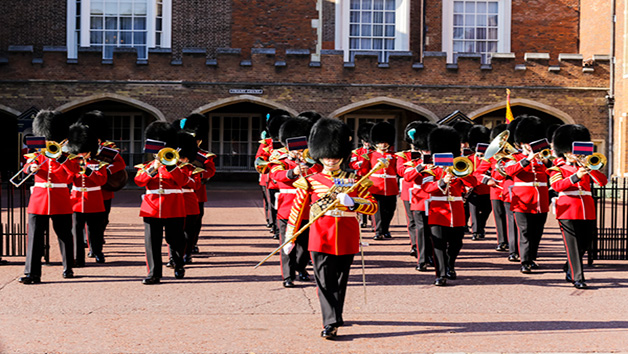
(235, 60)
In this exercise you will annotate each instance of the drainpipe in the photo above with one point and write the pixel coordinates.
(610, 98)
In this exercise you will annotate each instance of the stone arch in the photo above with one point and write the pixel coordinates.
(113, 97)
(566, 118)
(244, 98)
(9, 110)
(385, 100)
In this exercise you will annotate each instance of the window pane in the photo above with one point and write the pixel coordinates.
(492, 47)
(390, 5)
(158, 24)
(469, 20)
(365, 44)
(469, 47)
(110, 37)
(378, 30)
(139, 38)
(354, 30)
(140, 9)
(458, 33)
(390, 31)
(480, 33)
(469, 7)
(378, 17)
(95, 37)
(139, 23)
(493, 7)
(378, 43)
(458, 7)
(354, 17)
(366, 4)
(354, 43)
(390, 44)
(458, 20)
(492, 20)
(481, 46)
(469, 33)
(126, 23)
(159, 10)
(458, 46)
(158, 39)
(126, 8)
(378, 5)
(96, 8)
(366, 30)
(126, 37)
(481, 20)
(390, 17)
(111, 9)
(366, 17)
(111, 23)
(492, 33)
(481, 7)
(355, 4)
(96, 23)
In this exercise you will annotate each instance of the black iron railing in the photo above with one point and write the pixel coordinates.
(611, 241)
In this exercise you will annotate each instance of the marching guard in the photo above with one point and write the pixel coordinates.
(574, 207)
(404, 157)
(478, 199)
(50, 197)
(359, 155)
(334, 238)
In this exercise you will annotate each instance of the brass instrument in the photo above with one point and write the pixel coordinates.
(546, 154)
(593, 162)
(307, 157)
(168, 156)
(499, 147)
(53, 150)
(462, 167)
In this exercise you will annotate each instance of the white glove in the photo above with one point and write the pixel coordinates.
(345, 199)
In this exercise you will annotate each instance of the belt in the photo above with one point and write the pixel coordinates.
(574, 193)
(383, 175)
(50, 185)
(187, 190)
(447, 199)
(163, 191)
(85, 189)
(340, 213)
(427, 179)
(288, 191)
(530, 184)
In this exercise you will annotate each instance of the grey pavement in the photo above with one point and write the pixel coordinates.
(223, 305)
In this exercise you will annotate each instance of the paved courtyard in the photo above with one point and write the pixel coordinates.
(223, 305)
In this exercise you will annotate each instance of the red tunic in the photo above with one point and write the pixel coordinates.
(189, 189)
(210, 171)
(357, 159)
(281, 172)
(263, 155)
(529, 192)
(402, 158)
(384, 180)
(50, 194)
(413, 174)
(337, 232)
(481, 168)
(118, 164)
(86, 193)
(164, 197)
(446, 206)
(574, 201)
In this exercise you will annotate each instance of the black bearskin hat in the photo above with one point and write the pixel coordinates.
(274, 125)
(294, 127)
(412, 125)
(566, 134)
(549, 132)
(82, 139)
(275, 113)
(529, 129)
(195, 123)
(162, 131)
(444, 139)
(312, 116)
(383, 132)
(364, 131)
(97, 122)
(512, 127)
(463, 130)
(186, 142)
(423, 130)
(498, 129)
(330, 138)
(478, 134)
(52, 125)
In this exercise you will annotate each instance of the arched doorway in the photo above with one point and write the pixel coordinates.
(9, 142)
(494, 115)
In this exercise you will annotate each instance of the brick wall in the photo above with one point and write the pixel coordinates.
(200, 24)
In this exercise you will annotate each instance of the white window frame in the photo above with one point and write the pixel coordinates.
(251, 142)
(84, 40)
(402, 27)
(504, 26)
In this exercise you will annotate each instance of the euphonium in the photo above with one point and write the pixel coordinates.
(168, 156)
(595, 161)
(462, 167)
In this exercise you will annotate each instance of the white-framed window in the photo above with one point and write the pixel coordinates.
(108, 24)
(479, 27)
(127, 132)
(378, 26)
(234, 138)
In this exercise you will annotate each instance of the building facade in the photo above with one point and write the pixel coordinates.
(355, 60)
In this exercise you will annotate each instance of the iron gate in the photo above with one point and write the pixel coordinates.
(611, 241)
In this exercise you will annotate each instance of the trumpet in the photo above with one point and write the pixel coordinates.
(462, 167)
(546, 154)
(168, 156)
(593, 162)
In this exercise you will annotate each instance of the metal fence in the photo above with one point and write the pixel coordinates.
(611, 241)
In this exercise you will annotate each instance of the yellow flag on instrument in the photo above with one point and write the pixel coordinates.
(509, 116)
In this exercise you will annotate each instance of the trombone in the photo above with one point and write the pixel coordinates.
(53, 150)
(462, 167)
(168, 156)
(593, 162)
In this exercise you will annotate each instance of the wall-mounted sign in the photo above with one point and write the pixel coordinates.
(246, 91)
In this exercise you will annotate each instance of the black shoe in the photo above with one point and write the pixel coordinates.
(451, 274)
(481, 236)
(196, 250)
(179, 273)
(513, 258)
(364, 225)
(187, 259)
(269, 225)
(440, 281)
(378, 237)
(413, 252)
(525, 269)
(170, 263)
(387, 235)
(329, 332)
(304, 276)
(475, 237)
(68, 274)
(100, 258)
(580, 285)
(568, 278)
(288, 283)
(79, 264)
(533, 265)
(90, 254)
(29, 280)
(502, 247)
(150, 281)
(275, 237)
(421, 267)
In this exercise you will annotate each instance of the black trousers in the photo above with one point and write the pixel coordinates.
(480, 209)
(447, 245)
(195, 231)
(499, 215)
(95, 234)
(577, 236)
(423, 237)
(530, 232)
(272, 193)
(153, 235)
(189, 232)
(387, 204)
(267, 202)
(512, 231)
(298, 258)
(332, 275)
(37, 226)
(411, 224)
